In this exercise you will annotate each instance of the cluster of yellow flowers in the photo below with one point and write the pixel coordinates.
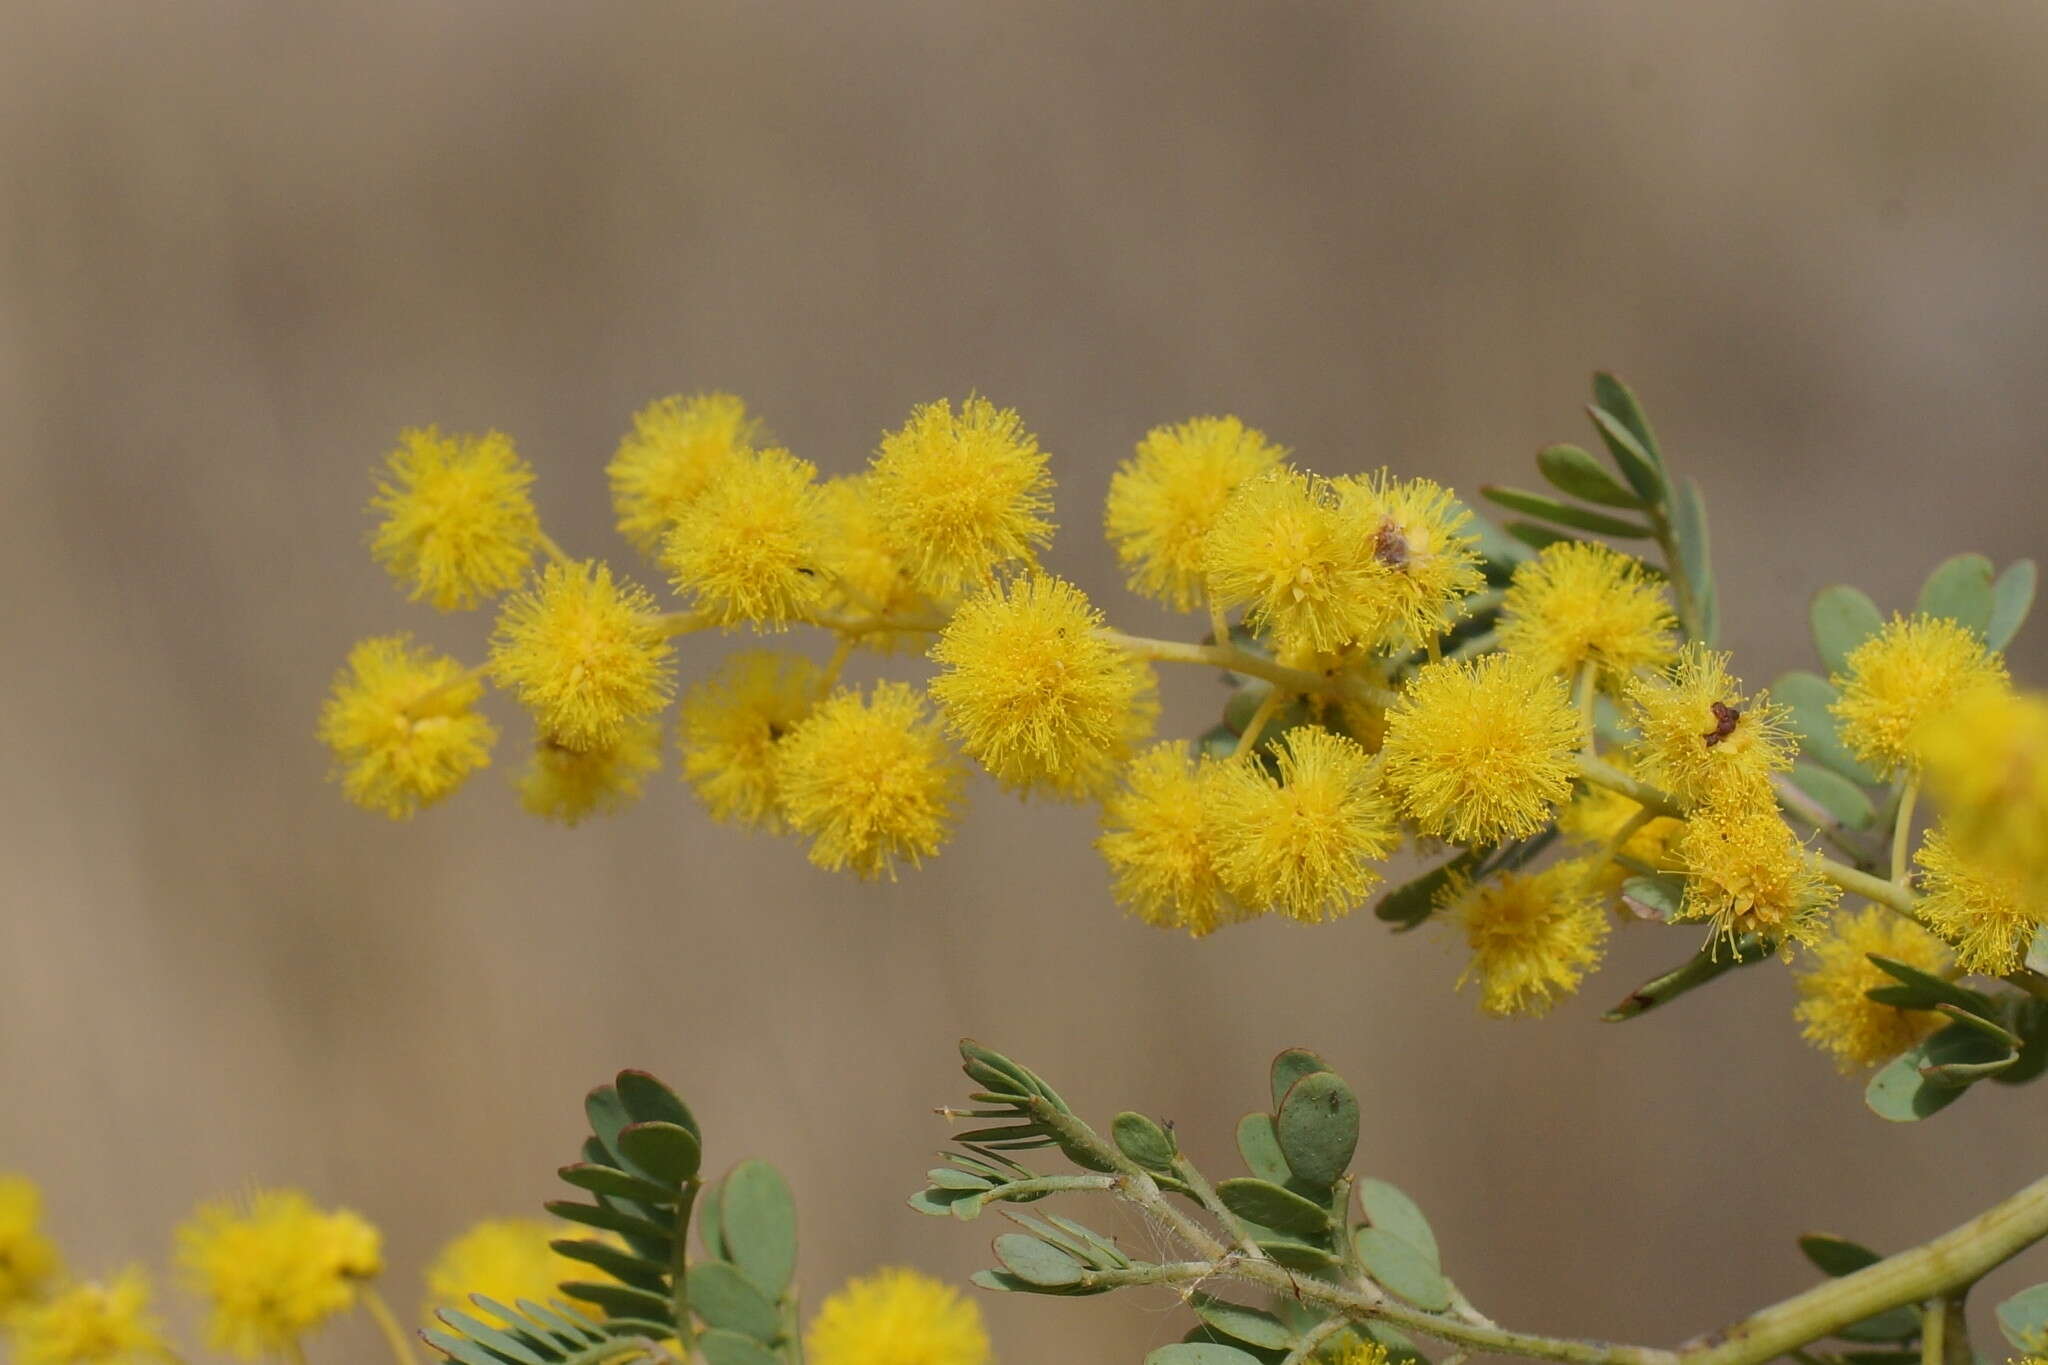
(273, 1267)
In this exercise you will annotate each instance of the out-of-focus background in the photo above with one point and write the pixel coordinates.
(244, 243)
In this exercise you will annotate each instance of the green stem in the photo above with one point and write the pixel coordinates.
(1256, 726)
(1237, 660)
(1133, 1180)
(1674, 567)
(387, 1322)
(1589, 674)
(1198, 1185)
(679, 1268)
(1902, 831)
(1603, 774)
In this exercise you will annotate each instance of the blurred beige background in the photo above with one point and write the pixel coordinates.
(243, 243)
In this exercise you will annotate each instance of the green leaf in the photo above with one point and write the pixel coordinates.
(1658, 895)
(1562, 513)
(721, 1347)
(708, 1230)
(621, 1301)
(1200, 1353)
(1499, 552)
(1409, 904)
(1689, 528)
(623, 1266)
(1642, 472)
(948, 1178)
(2037, 952)
(610, 1180)
(723, 1297)
(1844, 801)
(1143, 1141)
(607, 1114)
(1538, 537)
(512, 1344)
(1613, 396)
(1402, 1269)
(1894, 1324)
(1929, 990)
(1842, 618)
(1260, 1149)
(758, 1220)
(1714, 960)
(1218, 741)
(611, 1220)
(1927, 1078)
(1295, 1255)
(1240, 1323)
(1388, 1208)
(2024, 1320)
(2011, 597)
(1961, 1055)
(1806, 698)
(1036, 1262)
(937, 1202)
(1290, 1066)
(1573, 471)
(647, 1100)
(1959, 589)
(1836, 1256)
(1318, 1128)
(666, 1151)
(1272, 1206)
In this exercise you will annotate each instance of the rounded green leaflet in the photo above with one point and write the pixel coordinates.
(1289, 1067)
(1401, 1269)
(666, 1151)
(1261, 1150)
(1143, 1141)
(1318, 1128)
(1252, 1326)
(647, 1100)
(1271, 1206)
(2024, 1319)
(1387, 1207)
(1959, 589)
(618, 1184)
(1844, 802)
(1036, 1262)
(723, 1297)
(1576, 472)
(1563, 513)
(2012, 595)
(723, 1347)
(1200, 1353)
(1807, 697)
(1842, 618)
(1837, 1256)
(757, 1220)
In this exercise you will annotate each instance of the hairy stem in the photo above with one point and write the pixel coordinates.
(1205, 1193)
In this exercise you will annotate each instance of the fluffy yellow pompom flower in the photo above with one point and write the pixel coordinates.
(1533, 936)
(1166, 497)
(1579, 604)
(1748, 873)
(458, 524)
(1482, 749)
(274, 1267)
(1033, 690)
(732, 722)
(1157, 843)
(28, 1259)
(751, 546)
(961, 494)
(869, 781)
(676, 448)
(505, 1260)
(1349, 1349)
(1427, 556)
(92, 1324)
(1986, 913)
(1901, 678)
(1987, 767)
(399, 719)
(1303, 843)
(868, 577)
(897, 1317)
(568, 784)
(584, 653)
(1699, 735)
(1304, 572)
(1834, 1011)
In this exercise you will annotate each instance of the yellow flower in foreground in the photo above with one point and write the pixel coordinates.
(1033, 690)
(92, 1324)
(1986, 913)
(1987, 768)
(1166, 497)
(400, 722)
(274, 1267)
(676, 448)
(1581, 603)
(1483, 749)
(1156, 841)
(1903, 677)
(961, 494)
(505, 1260)
(1748, 873)
(1533, 936)
(567, 784)
(732, 722)
(587, 655)
(28, 1259)
(869, 781)
(1304, 572)
(897, 1317)
(458, 523)
(1305, 843)
(751, 546)
(1699, 734)
(1421, 540)
(1834, 1011)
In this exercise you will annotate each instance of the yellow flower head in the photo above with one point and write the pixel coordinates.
(1423, 545)
(92, 1324)
(1988, 915)
(274, 1267)
(1164, 500)
(1987, 767)
(505, 1260)
(1699, 734)
(1834, 1011)
(1903, 677)
(1580, 603)
(897, 1317)
(732, 722)
(567, 784)
(1033, 690)
(1304, 572)
(1747, 873)
(1350, 1349)
(1482, 749)
(961, 494)
(28, 1259)
(458, 524)
(1156, 841)
(1303, 843)
(399, 719)
(751, 546)
(1596, 815)
(869, 781)
(1533, 936)
(584, 653)
(868, 577)
(676, 448)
